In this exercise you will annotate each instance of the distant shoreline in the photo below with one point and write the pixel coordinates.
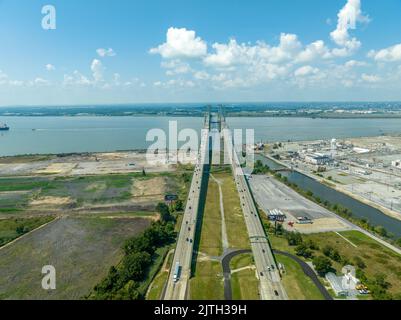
(229, 115)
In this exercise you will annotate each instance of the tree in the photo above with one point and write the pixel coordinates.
(134, 266)
(138, 244)
(294, 238)
(322, 265)
(143, 172)
(303, 251)
(179, 205)
(327, 250)
(359, 263)
(312, 245)
(164, 211)
(381, 231)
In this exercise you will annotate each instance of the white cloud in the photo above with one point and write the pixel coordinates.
(390, 54)
(181, 43)
(305, 71)
(3, 78)
(76, 79)
(50, 67)
(201, 75)
(97, 70)
(370, 78)
(105, 52)
(355, 63)
(40, 82)
(176, 67)
(314, 51)
(348, 17)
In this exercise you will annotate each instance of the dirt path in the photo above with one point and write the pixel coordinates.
(224, 237)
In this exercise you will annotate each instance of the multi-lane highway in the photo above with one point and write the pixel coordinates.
(269, 276)
(180, 273)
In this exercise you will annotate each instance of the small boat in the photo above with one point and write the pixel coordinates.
(4, 127)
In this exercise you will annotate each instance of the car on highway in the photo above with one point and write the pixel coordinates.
(276, 293)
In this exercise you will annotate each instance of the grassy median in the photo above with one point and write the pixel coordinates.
(236, 229)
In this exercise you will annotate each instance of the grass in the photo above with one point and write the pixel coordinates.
(11, 229)
(156, 265)
(245, 285)
(156, 287)
(81, 249)
(297, 285)
(208, 282)
(235, 223)
(377, 258)
(210, 241)
(241, 261)
(22, 184)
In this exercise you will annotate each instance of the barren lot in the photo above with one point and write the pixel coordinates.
(81, 249)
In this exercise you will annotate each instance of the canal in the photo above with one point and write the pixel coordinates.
(359, 209)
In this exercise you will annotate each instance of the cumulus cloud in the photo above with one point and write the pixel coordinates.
(41, 82)
(105, 52)
(371, 78)
(305, 71)
(176, 67)
(76, 79)
(50, 67)
(181, 43)
(348, 17)
(390, 54)
(355, 63)
(97, 70)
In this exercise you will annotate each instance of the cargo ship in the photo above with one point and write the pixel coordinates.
(4, 127)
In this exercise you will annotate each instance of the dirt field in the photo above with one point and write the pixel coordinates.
(153, 189)
(81, 249)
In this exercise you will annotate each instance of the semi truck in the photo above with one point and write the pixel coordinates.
(177, 272)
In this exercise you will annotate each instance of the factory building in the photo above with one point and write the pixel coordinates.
(396, 164)
(276, 215)
(317, 159)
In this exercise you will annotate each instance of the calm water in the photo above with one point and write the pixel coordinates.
(83, 134)
(298, 129)
(91, 134)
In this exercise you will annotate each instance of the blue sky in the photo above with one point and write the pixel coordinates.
(124, 51)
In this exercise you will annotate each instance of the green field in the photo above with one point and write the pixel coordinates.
(11, 229)
(235, 223)
(81, 249)
(156, 287)
(210, 241)
(377, 258)
(245, 285)
(241, 261)
(208, 282)
(297, 285)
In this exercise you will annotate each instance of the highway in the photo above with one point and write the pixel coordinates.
(180, 271)
(269, 276)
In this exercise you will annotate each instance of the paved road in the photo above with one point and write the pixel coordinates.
(178, 290)
(309, 272)
(228, 294)
(270, 282)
